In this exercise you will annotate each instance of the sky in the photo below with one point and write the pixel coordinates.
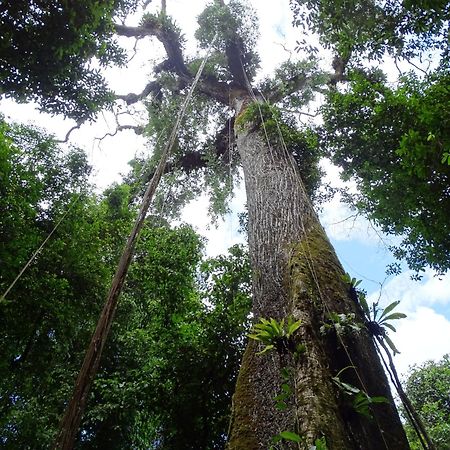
(362, 249)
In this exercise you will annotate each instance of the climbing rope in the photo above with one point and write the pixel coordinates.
(44, 242)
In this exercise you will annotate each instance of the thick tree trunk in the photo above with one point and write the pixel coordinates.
(296, 273)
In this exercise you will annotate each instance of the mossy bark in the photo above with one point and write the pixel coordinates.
(296, 273)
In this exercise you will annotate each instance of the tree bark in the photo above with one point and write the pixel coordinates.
(296, 273)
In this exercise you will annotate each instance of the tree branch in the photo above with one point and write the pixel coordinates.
(138, 129)
(153, 87)
(75, 127)
(167, 36)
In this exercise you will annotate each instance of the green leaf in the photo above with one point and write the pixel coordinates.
(281, 397)
(277, 438)
(293, 327)
(346, 278)
(346, 387)
(285, 373)
(266, 349)
(389, 308)
(277, 327)
(300, 348)
(320, 444)
(393, 316)
(390, 326)
(290, 436)
(281, 406)
(365, 306)
(390, 343)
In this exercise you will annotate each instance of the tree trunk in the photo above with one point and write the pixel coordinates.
(296, 273)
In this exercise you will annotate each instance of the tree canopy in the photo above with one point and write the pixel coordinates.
(181, 316)
(428, 387)
(51, 52)
(391, 136)
(393, 142)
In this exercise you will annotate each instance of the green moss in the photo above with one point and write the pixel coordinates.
(242, 427)
(314, 265)
(248, 115)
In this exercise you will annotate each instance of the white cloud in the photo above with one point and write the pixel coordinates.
(430, 291)
(224, 234)
(340, 221)
(424, 336)
(425, 333)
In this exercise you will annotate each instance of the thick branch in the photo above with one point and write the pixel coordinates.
(234, 52)
(218, 90)
(174, 62)
(138, 129)
(153, 87)
(168, 37)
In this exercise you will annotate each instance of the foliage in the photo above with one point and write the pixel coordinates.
(46, 47)
(341, 323)
(195, 162)
(235, 22)
(42, 338)
(378, 319)
(361, 401)
(177, 315)
(428, 389)
(305, 72)
(392, 141)
(276, 335)
(370, 29)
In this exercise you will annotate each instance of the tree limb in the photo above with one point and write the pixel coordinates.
(138, 129)
(153, 87)
(167, 36)
(66, 138)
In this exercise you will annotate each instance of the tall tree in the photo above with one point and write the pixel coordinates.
(295, 271)
(296, 276)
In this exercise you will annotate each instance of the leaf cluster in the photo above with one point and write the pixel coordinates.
(233, 23)
(427, 386)
(361, 401)
(46, 48)
(392, 142)
(369, 29)
(277, 335)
